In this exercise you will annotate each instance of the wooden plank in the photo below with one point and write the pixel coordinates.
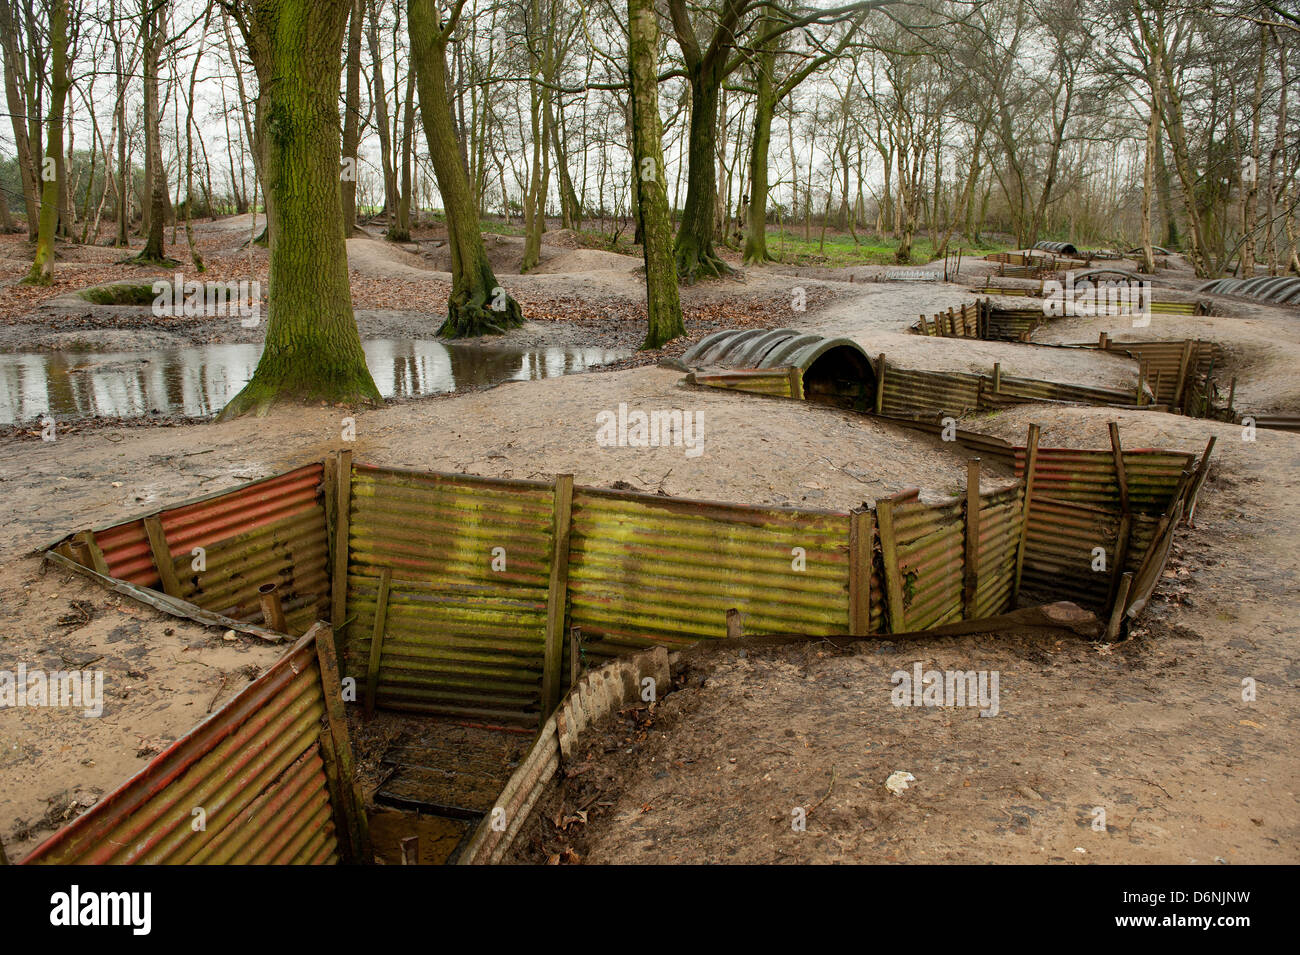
(377, 637)
(893, 574)
(735, 627)
(1121, 471)
(1194, 490)
(96, 556)
(558, 592)
(1183, 364)
(357, 831)
(342, 507)
(970, 572)
(880, 382)
(796, 383)
(162, 556)
(1031, 463)
(860, 570)
(1117, 610)
(339, 799)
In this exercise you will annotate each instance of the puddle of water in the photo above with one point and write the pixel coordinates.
(200, 380)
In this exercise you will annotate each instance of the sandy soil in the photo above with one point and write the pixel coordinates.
(161, 677)
(1154, 730)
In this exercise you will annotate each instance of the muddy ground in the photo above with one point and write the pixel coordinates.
(1153, 731)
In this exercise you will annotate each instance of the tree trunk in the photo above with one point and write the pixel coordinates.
(478, 305)
(663, 304)
(28, 161)
(381, 114)
(1250, 171)
(1148, 183)
(313, 351)
(400, 231)
(764, 110)
(352, 119)
(42, 270)
(156, 174)
(694, 251)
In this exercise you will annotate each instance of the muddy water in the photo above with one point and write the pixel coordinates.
(199, 380)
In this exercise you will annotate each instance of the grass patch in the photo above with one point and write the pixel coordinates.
(841, 249)
(120, 293)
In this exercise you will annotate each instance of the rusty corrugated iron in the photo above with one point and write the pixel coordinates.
(778, 381)
(1166, 372)
(1088, 477)
(254, 767)
(461, 638)
(931, 559)
(647, 570)
(1001, 514)
(267, 531)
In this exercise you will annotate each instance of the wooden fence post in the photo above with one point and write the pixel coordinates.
(162, 556)
(86, 539)
(1117, 610)
(355, 831)
(860, 571)
(970, 574)
(735, 626)
(557, 593)
(893, 574)
(1031, 463)
(1184, 363)
(880, 383)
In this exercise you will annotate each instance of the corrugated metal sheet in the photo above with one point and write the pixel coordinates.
(1001, 514)
(1057, 248)
(930, 541)
(963, 322)
(256, 769)
(1279, 289)
(1059, 546)
(1164, 361)
(461, 638)
(649, 570)
(269, 531)
(776, 382)
(758, 349)
(1088, 477)
(908, 392)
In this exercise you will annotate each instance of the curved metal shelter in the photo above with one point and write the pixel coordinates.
(1279, 289)
(1058, 248)
(835, 371)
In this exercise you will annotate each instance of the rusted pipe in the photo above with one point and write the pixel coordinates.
(272, 609)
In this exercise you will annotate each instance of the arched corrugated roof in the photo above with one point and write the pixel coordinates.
(749, 348)
(1280, 289)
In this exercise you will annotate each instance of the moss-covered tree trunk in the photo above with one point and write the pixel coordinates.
(478, 305)
(663, 304)
(313, 351)
(765, 101)
(694, 251)
(42, 270)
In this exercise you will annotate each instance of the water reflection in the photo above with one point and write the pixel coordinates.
(200, 380)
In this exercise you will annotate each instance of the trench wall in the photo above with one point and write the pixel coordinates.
(270, 531)
(270, 772)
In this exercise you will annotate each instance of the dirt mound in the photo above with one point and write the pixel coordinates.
(586, 260)
(378, 259)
